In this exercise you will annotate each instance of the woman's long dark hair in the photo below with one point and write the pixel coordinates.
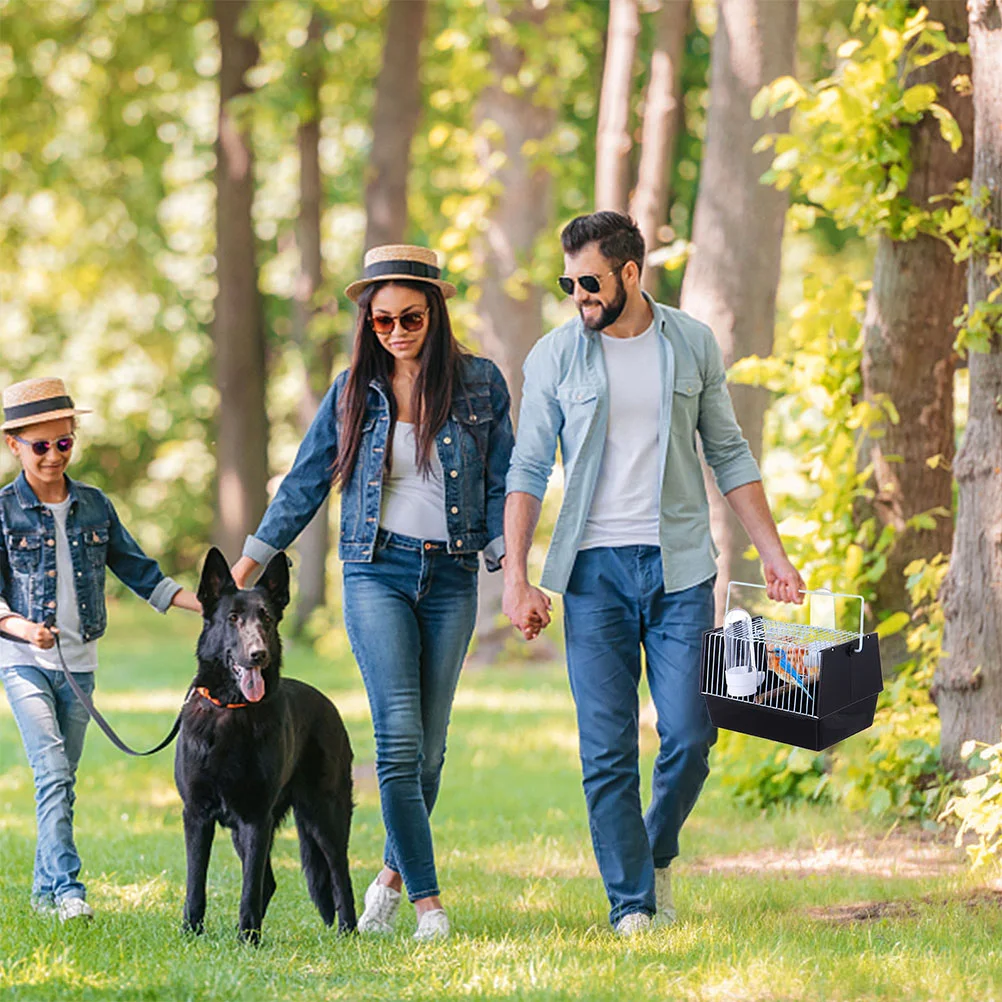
(441, 363)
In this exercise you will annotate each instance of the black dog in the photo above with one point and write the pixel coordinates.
(252, 746)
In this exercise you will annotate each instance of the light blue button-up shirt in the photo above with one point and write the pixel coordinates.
(565, 400)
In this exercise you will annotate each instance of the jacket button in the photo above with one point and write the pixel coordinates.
(459, 542)
(51, 574)
(454, 510)
(473, 418)
(447, 440)
(74, 542)
(454, 474)
(50, 542)
(50, 605)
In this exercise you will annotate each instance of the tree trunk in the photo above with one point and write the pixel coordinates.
(510, 320)
(908, 348)
(968, 684)
(314, 542)
(731, 279)
(238, 328)
(394, 119)
(612, 161)
(661, 121)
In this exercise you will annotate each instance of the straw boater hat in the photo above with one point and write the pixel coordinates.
(400, 261)
(35, 400)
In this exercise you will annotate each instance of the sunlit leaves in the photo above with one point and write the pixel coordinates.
(848, 147)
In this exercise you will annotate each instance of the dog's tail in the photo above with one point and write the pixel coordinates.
(323, 850)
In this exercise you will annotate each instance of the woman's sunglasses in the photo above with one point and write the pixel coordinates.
(40, 446)
(590, 283)
(412, 321)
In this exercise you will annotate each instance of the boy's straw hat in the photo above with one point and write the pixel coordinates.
(400, 261)
(35, 400)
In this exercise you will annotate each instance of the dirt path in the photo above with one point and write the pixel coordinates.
(901, 853)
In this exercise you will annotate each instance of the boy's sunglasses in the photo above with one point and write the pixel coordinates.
(384, 323)
(590, 283)
(40, 446)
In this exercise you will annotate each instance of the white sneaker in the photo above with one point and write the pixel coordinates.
(633, 923)
(71, 909)
(432, 925)
(381, 904)
(662, 895)
(44, 906)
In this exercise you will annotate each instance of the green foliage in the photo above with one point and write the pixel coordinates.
(762, 774)
(967, 229)
(978, 807)
(896, 765)
(848, 150)
(105, 269)
(816, 423)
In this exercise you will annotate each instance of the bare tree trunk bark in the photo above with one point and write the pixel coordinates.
(510, 321)
(314, 542)
(968, 683)
(394, 119)
(908, 348)
(238, 328)
(612, 160)
(731, 279)
(661, 120)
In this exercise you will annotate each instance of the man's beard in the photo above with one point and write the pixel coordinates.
(611, 313)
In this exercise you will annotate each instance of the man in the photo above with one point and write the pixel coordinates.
(624, 388)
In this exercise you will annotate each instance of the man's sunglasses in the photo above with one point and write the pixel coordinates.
(40, 446)
(412, 321)
(590, 283)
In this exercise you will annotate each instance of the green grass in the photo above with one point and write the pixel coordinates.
(515, 864)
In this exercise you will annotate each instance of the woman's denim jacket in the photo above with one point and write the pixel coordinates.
(97, 540)
(474, 446)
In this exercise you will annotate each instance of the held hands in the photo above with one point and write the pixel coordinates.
(782, 581)
(527, 607)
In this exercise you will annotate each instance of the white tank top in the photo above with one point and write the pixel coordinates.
(413, 504)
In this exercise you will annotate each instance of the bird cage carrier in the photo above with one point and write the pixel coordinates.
(808, 686)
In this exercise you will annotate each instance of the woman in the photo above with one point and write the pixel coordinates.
(417, 436)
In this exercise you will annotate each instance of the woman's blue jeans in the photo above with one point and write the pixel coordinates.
(615, 603)
(409, 616)
(52, 722)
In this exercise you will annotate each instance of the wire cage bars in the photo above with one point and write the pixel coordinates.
(809, 686)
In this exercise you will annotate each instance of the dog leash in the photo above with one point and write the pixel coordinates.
(96, 714)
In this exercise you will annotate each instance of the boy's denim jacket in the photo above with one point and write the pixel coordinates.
(97, 540)
(565, 400)
(474, 446)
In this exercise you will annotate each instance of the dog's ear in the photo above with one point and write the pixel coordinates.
(275, 581)
(216, 579)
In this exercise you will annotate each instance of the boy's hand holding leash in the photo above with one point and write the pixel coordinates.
(37, 634)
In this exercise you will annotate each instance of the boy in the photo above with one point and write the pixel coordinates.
(56, 538)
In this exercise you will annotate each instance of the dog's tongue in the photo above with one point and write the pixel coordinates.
(252, 684)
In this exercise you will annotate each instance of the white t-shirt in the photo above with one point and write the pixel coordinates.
(626, 504)
(413, 503)
(79, 655)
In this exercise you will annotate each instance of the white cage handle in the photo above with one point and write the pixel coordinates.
(803, 591)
